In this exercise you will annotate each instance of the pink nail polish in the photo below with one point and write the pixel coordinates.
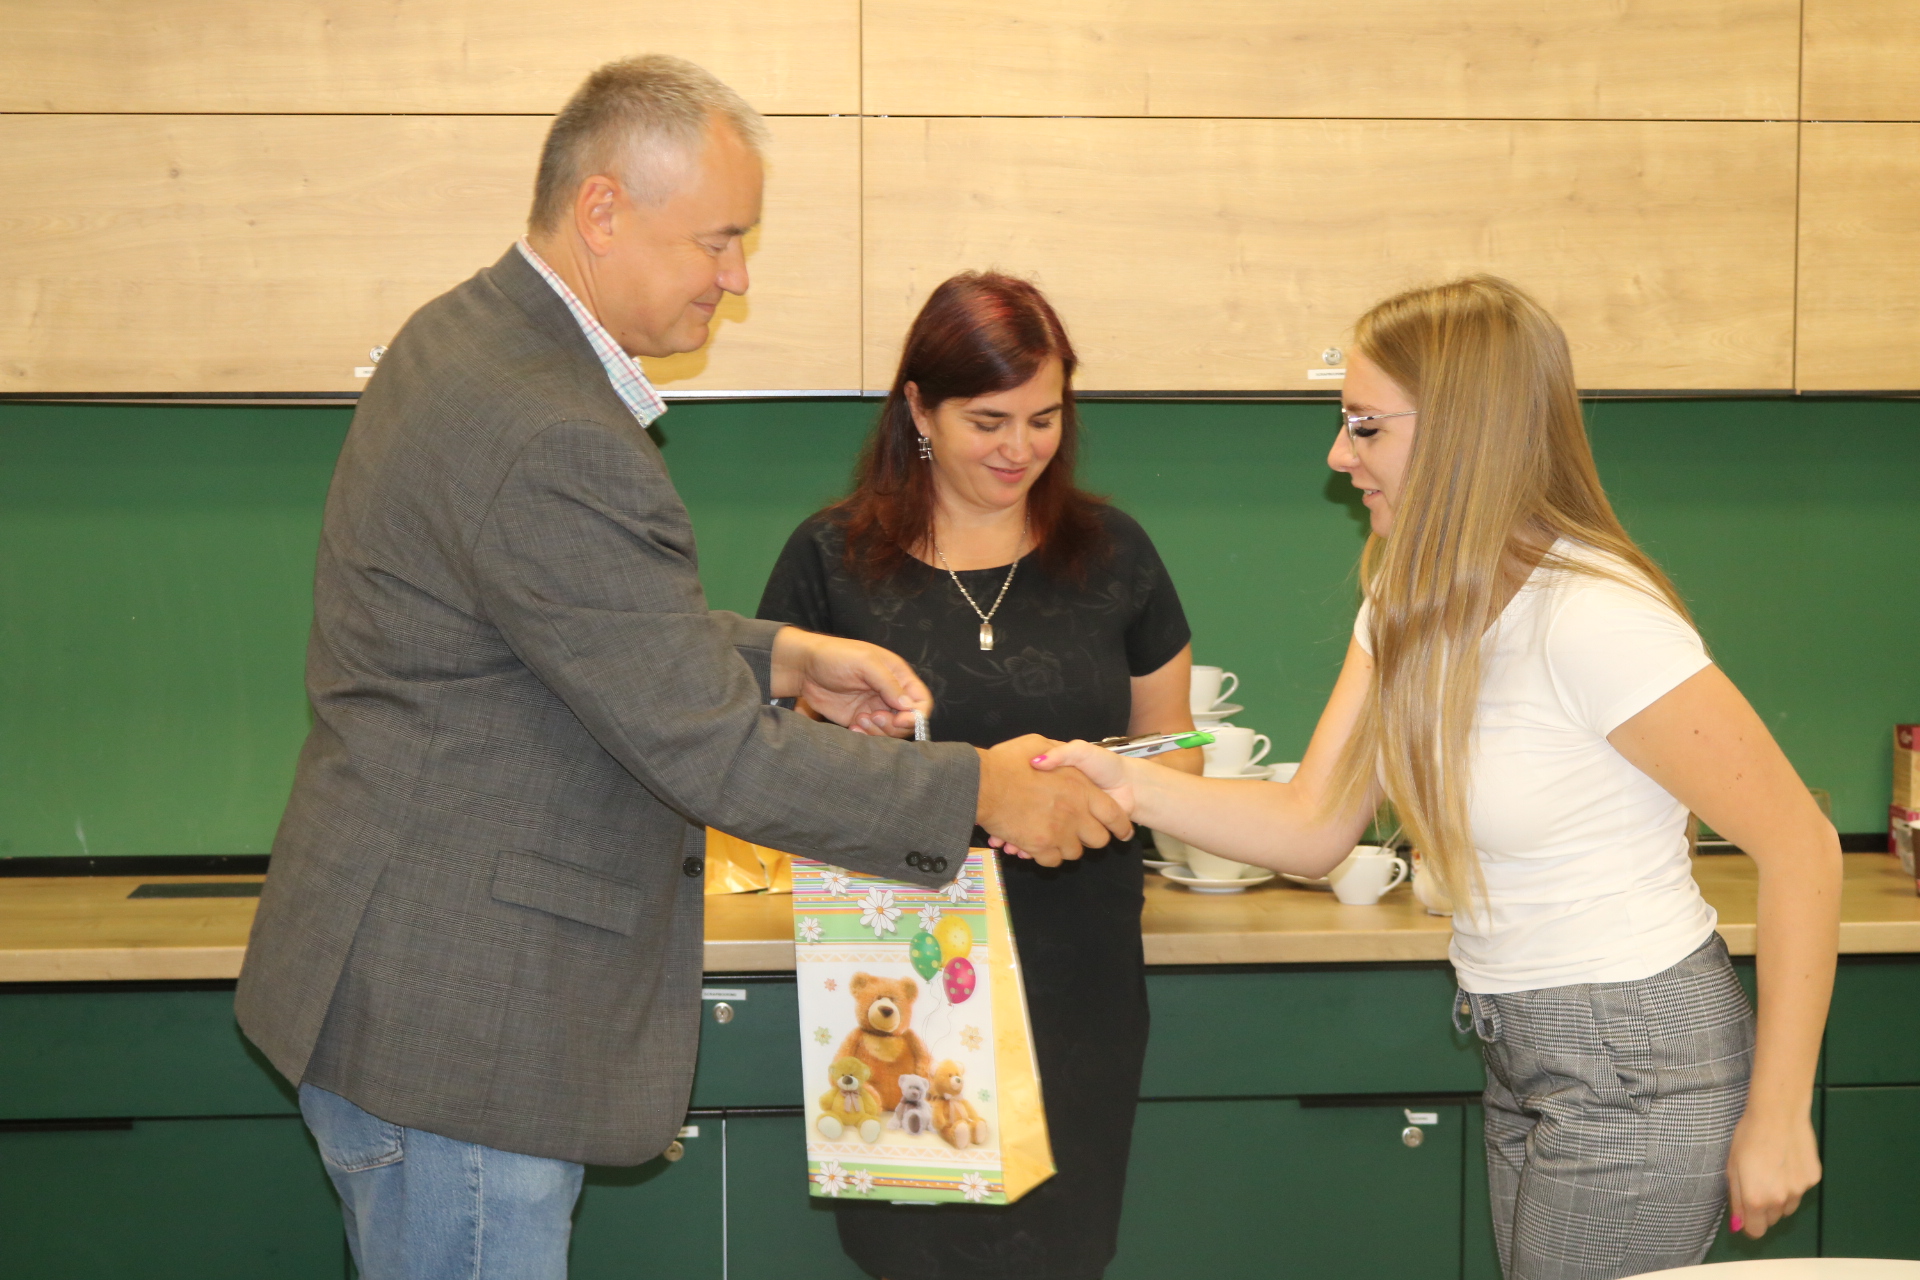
(1735, 1222)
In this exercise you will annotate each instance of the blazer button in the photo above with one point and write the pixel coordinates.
(693, 866)
(915, 860)
(939, 864)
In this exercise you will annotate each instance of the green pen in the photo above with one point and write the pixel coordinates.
(1153, 744)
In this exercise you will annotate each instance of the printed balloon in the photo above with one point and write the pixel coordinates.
(959, 979)
(924, 951)
(956, 939)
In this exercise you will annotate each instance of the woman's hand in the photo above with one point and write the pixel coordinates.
(1773, 1162)
(1104, 769)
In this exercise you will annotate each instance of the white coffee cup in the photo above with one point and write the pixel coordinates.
(1368, 872)
(1204, 691)
(1231, 751)
(1211, 866)
(1427, 888)
(1169, 849)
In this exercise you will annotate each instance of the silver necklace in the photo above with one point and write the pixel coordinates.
(986, 619)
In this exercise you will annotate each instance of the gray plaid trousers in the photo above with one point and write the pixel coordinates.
(1609, 1110)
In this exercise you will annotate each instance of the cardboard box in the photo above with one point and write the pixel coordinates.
(1900, 825)
(1906, 766)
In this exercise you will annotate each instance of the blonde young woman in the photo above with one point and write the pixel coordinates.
(1524, 685)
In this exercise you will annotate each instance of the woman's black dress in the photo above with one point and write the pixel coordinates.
(1063, 656)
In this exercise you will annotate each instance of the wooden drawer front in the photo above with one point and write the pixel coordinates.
(1378, 58)
(77, 1054)
(1873, 1033)
(1859, 274)
(272, 253)
(451, 56)
(1378, 1029)
(752, 1060)
(1229, 254)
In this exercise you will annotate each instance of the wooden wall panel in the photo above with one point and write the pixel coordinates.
(242, 253)
(1859, 257)
(1579, 59)
(1862, 60)
(1227, 254)
(454, 56)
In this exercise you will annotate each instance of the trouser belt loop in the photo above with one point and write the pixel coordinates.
(1477, 1014)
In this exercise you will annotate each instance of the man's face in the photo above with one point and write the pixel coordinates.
(667, 265)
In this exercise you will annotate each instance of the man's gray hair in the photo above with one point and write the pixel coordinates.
(642, 120)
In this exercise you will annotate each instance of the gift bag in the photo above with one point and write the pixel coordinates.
(919, 1074)
(735, 866)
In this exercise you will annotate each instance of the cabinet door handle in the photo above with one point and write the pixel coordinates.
(1413, 1135)
(723, 1013)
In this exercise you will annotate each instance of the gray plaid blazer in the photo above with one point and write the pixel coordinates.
(484, 912)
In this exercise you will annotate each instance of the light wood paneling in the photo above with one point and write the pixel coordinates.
(454, 56)
(1859, 257)
(238, 253)
(1862, 60)
(1227, 254)
(1580, 59)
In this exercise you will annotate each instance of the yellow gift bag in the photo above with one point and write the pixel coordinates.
(734, 866)
(920, 1078)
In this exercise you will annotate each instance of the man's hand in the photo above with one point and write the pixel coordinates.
(850, 682)
(1047, 816)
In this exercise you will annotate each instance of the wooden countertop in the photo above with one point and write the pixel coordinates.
(86, 928)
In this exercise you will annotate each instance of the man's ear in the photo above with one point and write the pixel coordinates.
(594, 205)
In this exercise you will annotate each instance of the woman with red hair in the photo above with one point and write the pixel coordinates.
(1027, 606)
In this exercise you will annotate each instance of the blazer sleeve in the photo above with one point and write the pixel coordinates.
(585, 562)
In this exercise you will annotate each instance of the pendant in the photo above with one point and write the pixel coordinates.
(986, 635)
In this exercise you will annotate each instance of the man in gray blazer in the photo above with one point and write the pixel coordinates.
(478, 951)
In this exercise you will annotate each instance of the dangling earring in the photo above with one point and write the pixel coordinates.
(926, 449)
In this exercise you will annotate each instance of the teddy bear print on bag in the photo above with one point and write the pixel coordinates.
(953, 1116)
(884, 1039)
(851, 1105)
(915, 1113)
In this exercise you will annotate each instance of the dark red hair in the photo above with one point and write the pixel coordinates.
(980, 332)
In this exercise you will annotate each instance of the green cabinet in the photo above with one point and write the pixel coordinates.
(1272, 1189)
(208, 1199)
(775, 1229)
(1872, 1134)
(1873, 1032)
(662, 1218)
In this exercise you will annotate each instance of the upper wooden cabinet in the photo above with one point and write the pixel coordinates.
(1229, 254)
(793, 57)
(220, 253)
(1862, 60)
(1859, 257)
(1475, 59)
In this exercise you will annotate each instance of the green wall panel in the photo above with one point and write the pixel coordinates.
(155, 566)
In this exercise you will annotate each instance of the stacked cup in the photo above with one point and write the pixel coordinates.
(1234, 753)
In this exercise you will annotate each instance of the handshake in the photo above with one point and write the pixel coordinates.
(1049, 815)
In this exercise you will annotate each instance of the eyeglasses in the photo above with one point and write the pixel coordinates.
(1347, 421)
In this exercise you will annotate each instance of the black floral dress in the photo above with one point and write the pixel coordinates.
(1063, 658)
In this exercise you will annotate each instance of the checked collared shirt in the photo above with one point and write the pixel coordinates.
(623, 371)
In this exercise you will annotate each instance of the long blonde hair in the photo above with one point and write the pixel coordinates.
(1500, 468)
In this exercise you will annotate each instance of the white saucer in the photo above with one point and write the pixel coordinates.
(1311, 882)
(1161, 864)
(1218, 715)
(1258, 773)
(1185, 878)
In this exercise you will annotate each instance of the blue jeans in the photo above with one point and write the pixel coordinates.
(422, 1207)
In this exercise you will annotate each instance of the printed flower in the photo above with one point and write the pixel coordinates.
(972, 1038)
(833, 883)
(930, 916)
(985, 1095)
(821, 1035)
(877, 911)
(832, 1178)
(1035, 673)
(831, 984)
(809, 929)
(959, 888)
(974, 1187)
(863, 1181)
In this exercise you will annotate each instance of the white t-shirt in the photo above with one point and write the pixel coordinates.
(1585, 857)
